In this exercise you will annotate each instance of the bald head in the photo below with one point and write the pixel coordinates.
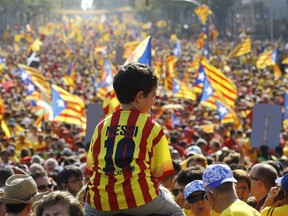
(265, 172)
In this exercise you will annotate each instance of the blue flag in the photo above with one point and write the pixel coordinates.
(142, 53)
(58, 103)
(222, 110)
(207, 91)
(201, 76)
(177, 49)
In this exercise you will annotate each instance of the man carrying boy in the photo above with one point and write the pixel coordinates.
(129, 152)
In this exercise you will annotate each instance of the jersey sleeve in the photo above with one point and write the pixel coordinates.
(161, 162)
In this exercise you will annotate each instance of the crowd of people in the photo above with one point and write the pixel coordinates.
(43, 170)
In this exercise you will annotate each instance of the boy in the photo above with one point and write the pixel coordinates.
(129, 152)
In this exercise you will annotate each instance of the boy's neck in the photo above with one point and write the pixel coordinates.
(128, 106)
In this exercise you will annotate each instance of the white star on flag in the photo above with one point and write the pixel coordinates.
(60, 103)
(31, 87)
(177, 87)
(24, 76)
(209, 91)
(223, 110)
(201, 76)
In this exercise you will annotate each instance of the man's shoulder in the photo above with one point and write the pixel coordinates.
(240, 208)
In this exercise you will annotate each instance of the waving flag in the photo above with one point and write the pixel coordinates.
(129, 48)
(222, 110)
(110, 102)
(201, 40)
(142, 53)
(285, 117)
(69, 77)
(32, 92)
(177, 49)
(203, 11)
(67, 107)
(241, 49)
(180, 90)
(199, 79)
(107, 81)
(33, 60)
(285, 61)
(170, 74)
(223, 86)
(36, 76)
(207, 92)
(40, 122)
(267, 58)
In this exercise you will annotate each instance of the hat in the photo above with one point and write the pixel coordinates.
(193, 150)
(26, 160)
(19, 189)
(201, 140)
(67, 151)
(37, 159)
(11, 148)
(217, 174)
(283, 181)
(196, 185)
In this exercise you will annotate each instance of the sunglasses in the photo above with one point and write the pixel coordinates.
(194, 199)
(256, 179)
(43, 187)
(177, 191)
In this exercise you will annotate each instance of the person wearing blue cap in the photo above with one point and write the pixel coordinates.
(194, 196)
(219, 184)
(276, 203)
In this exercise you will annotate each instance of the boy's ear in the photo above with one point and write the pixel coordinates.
(139, 96)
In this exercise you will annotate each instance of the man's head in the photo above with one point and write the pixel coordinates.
(194, 195)
(43, 181)
(133, 78)
(262, 177)
(183, 178)
(20, 192)
(218, 181)
(70, 179)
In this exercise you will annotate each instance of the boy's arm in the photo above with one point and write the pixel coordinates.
(161, 162)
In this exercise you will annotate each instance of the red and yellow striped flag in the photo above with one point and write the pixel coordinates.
(202, 11)
(110, 102)
(129, 48)
(170, 74)
(222, 85)
(241, 49)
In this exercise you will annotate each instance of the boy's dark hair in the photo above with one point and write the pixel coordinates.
(64, 175)
(131, 79)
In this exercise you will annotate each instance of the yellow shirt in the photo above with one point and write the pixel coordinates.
(278, 211)
(240, 208)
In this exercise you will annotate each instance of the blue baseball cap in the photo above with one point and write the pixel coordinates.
(217, 174)
(283, 181)
(196, 185)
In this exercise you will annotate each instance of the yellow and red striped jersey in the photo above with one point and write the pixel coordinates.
(128, 156)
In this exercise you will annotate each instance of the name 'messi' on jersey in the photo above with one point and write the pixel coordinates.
(123, 130)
